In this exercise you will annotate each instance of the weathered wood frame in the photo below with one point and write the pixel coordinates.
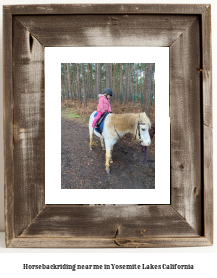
(186, 29)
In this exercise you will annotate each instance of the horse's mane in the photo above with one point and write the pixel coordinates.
(129, 120)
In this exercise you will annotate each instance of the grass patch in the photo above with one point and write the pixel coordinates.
(72, 115)
(69, 114)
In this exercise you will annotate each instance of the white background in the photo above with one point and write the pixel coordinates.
(53, 192)
(203, 257)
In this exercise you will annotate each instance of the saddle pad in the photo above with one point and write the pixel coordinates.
(100, 127)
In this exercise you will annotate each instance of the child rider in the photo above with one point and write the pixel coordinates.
(104, 104)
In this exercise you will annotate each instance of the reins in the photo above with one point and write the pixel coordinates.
(144, 149)
(116, 132)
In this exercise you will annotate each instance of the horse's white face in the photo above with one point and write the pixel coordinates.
(144, 131)
(144, 134)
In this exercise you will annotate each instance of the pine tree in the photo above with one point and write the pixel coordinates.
(149, 72)
(126, 84)
(69, 81)
(108, 75)
(78, 83)
(98, 78)
(84, 85)
(121, 82)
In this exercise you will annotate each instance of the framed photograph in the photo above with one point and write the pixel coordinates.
(82, 168)
(52, 193)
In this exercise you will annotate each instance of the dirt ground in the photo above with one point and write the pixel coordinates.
(85, 169)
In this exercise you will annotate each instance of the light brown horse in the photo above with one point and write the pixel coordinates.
(117, 125)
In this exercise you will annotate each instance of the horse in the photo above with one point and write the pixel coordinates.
(117, 125)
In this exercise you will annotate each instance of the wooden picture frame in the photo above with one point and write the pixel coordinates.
(186, 30)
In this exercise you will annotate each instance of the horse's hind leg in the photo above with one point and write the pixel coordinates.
(102, 144)
(91, 137)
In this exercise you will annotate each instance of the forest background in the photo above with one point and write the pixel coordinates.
(133, 86)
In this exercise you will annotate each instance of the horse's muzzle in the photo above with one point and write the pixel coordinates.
(145, 144)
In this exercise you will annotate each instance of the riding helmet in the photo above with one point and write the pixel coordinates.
(107, 91)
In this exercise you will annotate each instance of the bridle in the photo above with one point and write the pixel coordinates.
(138, 129)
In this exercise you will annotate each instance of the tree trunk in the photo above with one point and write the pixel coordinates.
(87, 82)
(129, 81)
(111, 80)
(78, 83)
(95, 78)
(116, 81)
(121, 82)
(140, 83)
(66, 80)
(126, 84)
(63, 93)
(149, 71)
(84, 87)
(153, 86)
(74, 80)
(114, 76)
(98, 78)
(137, 84)
(132, 89)
(91, 80)
(108, 75)
(69, 81)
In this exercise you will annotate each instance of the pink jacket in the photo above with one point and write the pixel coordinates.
(104, 104)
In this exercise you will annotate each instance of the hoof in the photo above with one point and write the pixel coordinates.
(111, 161)
(103, 149)
(108, 172)
(91, 149)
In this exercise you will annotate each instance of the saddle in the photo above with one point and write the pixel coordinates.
(100, 122)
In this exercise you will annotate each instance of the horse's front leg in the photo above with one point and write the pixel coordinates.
(102, 144)
(110, 160)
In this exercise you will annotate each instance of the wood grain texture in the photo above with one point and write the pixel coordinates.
(207, 122)
(106, 9)
(208, 183)
(107, 30)
(34, 242)
(186, 133)
(8, 125)
(186, 29)
(207, 67)
(109, 222)
(29, 131)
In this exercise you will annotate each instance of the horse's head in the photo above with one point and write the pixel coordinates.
(142, 129)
